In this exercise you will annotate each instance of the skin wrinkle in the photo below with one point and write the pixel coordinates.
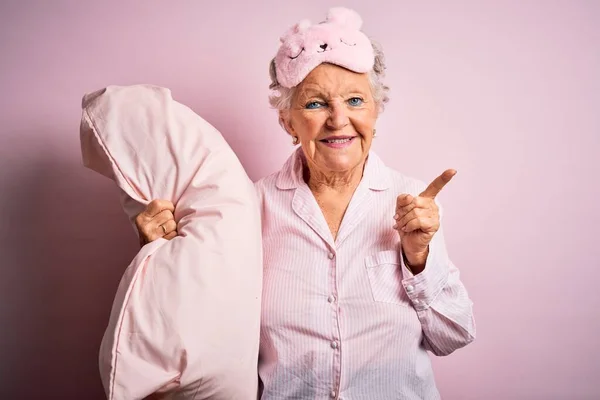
(336, 90)
(281, 98)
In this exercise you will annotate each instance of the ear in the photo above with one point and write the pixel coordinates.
(286, 122)
(299, 27)
(344, 17)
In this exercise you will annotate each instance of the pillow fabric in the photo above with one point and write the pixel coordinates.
(186, 316)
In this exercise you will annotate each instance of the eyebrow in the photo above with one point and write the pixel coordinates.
(318, 93)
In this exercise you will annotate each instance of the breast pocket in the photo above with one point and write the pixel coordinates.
(385, 277)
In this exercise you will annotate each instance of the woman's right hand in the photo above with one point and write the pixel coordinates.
(156, 221)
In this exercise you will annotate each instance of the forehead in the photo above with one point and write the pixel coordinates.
(332, 79)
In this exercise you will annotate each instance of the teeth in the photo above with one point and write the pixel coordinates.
(338, 140)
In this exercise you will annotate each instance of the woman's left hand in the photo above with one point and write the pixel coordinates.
(418, 219)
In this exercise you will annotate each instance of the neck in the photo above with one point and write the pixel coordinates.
(320, 181)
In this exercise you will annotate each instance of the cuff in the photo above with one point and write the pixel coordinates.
(424, 287)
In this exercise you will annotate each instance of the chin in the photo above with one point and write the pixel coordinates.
(344, 162)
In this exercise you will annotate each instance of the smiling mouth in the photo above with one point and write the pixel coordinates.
(344, 140)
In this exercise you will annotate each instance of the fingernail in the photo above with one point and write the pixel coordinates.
(395, 226)
(396, 216)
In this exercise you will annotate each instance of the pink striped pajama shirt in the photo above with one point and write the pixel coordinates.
(346, 319)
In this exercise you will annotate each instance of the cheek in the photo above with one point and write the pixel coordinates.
(365, 123)
(308, 126)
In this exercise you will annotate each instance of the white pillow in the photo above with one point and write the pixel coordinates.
(186, 317)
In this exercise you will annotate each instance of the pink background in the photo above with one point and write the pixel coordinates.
(507, 92)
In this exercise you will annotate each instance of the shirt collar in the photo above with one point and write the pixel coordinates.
(376, 175)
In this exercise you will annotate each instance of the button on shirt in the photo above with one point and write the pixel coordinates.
(345, 318)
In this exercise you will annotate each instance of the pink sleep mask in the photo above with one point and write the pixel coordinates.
(338, 41)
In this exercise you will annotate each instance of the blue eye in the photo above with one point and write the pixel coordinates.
(313, 104)
(355, 101)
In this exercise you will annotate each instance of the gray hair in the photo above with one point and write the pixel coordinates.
(281, 97)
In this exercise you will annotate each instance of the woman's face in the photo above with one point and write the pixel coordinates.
(333, 115)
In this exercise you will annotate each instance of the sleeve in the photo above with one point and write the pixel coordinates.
(441, 301)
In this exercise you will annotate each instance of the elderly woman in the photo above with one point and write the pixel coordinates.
(357, 282)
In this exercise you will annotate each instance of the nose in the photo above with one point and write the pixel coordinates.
(338, 116)
(323, 46)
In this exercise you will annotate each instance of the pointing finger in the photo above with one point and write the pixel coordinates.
(438, 184)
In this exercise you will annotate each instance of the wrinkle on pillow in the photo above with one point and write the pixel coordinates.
(186, 317)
